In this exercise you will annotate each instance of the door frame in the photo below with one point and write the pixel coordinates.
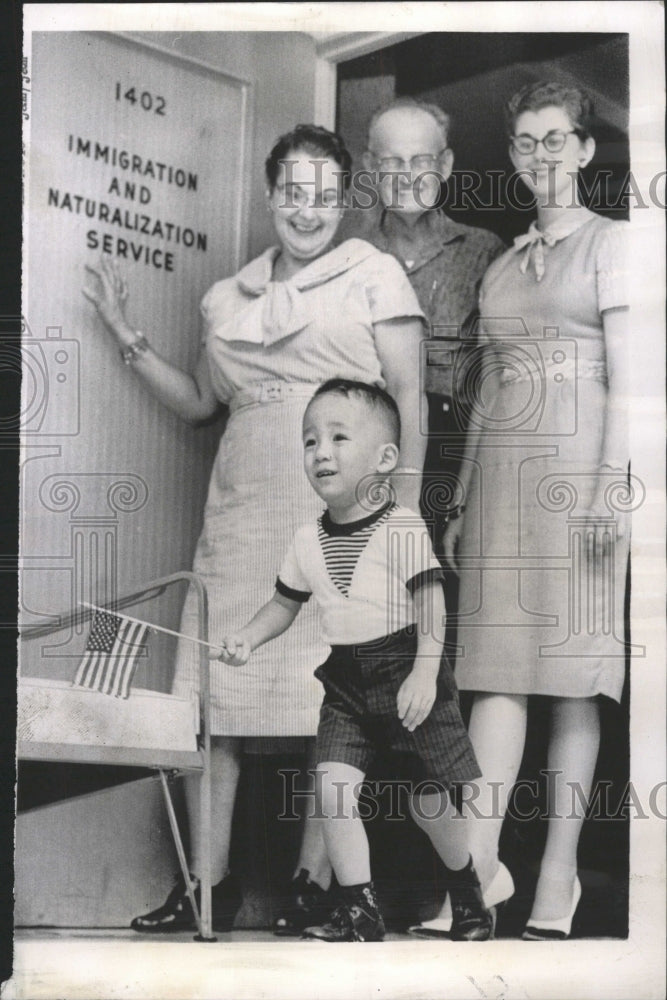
(338, 48)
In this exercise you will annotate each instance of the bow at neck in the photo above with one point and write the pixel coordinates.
(285, 309)
(535, 239)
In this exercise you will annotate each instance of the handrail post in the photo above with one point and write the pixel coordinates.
(205, 778)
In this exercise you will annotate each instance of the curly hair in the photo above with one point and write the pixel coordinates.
(546, 94)
(313, 139)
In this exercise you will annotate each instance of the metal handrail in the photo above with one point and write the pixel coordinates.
(148, 591)
(82, 614)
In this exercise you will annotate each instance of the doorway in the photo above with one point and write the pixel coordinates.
(471, 75)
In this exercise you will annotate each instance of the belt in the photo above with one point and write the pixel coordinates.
(273, 391)
(569, 369)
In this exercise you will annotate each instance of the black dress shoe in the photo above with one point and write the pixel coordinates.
(348, 923)
(356, 919)
(176, 914)
(471, 921)
(308, 905)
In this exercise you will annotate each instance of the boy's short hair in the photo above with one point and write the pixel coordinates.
(372, 395)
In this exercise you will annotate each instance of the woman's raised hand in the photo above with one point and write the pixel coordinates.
(190, 396)
(109, 296)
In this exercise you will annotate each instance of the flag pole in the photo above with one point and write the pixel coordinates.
(157, 628)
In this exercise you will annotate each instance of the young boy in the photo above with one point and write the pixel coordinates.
(371, 568)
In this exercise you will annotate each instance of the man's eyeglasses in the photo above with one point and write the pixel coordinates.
(419, 162)
(553, 141)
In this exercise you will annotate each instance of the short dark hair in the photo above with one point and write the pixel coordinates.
(550, 93)
(376, 398)
(314, 139)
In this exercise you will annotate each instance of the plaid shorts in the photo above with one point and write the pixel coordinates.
(359, 716)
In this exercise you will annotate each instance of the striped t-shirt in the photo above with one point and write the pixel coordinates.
(342, 544)
(362, 574)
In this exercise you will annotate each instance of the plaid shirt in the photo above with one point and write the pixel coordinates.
(445, 272)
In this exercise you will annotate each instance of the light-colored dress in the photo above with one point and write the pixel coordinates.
(270, 344)
(536, 615)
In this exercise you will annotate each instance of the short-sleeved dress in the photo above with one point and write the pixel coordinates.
(270, 344)
(536, 616)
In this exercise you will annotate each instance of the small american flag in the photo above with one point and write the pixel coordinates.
(110, 658)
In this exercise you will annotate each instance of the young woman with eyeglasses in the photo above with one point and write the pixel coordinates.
(542, 549)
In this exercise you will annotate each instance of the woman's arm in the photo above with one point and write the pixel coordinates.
(489, 376)
(614, 452)
(615, 449)
(398, 346)
(190, 397)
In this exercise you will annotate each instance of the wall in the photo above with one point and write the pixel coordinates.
(281, 68)
(113, 486)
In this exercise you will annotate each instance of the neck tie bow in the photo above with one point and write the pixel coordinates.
(534, 241)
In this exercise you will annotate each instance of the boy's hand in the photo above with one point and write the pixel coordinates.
(417, 692)
(234, 649)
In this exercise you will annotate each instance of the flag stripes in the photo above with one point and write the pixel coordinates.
(110, 657)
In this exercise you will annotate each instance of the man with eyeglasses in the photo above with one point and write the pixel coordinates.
(409, 158)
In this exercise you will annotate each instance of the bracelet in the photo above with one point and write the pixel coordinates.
(134, 351)
(455, 513)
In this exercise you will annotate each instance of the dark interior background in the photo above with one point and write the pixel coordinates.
(471, 76)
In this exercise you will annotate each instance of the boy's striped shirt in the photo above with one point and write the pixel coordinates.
(342, 547)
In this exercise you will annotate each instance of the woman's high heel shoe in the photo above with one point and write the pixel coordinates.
(498, 891)
(554, 930)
